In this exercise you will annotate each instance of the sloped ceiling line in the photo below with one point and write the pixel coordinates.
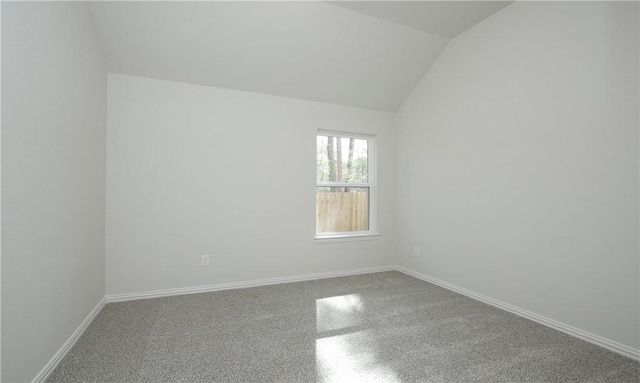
(307, 50)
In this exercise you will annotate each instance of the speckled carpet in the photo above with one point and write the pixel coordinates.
(382, 327)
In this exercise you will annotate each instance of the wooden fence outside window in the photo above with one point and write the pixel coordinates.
(342, 211)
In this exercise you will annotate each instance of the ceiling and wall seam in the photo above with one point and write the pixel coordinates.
(313, 51)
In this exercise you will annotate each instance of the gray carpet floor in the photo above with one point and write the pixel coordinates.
(382, 327)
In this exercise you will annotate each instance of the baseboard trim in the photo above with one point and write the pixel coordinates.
(241, 285)
(610, 345)
(53, 363)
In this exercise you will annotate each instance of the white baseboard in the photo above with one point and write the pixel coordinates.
(241, 285)
(53, 363)
(576, 332)
(616, 347)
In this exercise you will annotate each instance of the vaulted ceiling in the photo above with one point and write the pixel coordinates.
(362, 54)
(441, 18)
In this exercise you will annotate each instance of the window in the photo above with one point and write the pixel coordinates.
(345, 186)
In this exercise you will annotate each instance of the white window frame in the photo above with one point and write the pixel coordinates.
(372, 167)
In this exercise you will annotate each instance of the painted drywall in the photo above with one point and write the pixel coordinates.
(53, 180)
(518, 164)
(441, 18)
(195, 170)
(305, 49)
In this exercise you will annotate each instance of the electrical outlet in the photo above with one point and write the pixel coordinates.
(416, 251)
(204, 260)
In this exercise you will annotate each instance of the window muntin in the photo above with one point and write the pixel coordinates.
(344, 187)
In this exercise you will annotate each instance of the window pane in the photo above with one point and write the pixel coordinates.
(342, 159)
(342, 209)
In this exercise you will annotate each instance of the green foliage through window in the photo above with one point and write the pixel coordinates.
(341, 159)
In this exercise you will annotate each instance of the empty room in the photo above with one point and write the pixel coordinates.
(312, 191)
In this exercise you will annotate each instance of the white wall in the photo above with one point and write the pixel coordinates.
(197, 170)
(53, 180)
(518, 164)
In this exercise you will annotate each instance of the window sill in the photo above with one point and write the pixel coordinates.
(346, 238)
